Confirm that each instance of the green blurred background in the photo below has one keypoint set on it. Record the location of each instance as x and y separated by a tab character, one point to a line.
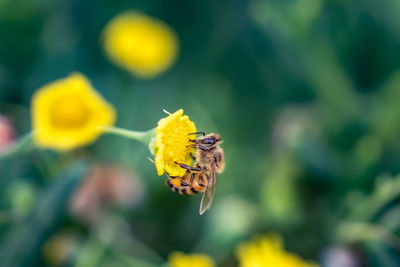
305	93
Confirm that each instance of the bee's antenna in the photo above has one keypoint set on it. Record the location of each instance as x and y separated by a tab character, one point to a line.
150	159
202	133
165	111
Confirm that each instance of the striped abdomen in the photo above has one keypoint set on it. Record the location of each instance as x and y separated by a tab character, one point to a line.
191	183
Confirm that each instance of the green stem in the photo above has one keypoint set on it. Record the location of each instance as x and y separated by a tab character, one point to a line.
143	137
23	145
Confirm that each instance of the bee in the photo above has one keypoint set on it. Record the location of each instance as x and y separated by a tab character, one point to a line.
202	176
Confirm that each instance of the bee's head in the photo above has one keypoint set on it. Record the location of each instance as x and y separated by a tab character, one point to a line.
210	140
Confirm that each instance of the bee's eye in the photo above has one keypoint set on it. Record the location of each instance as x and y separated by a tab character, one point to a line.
208	141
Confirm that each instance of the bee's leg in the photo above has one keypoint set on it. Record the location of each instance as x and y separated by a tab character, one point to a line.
203	133
192	145
187	167
181	180
183	183
189	186
191	179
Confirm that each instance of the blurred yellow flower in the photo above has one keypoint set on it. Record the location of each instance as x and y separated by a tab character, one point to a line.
143	45
268	251
171	143
179	259
68	113
60	248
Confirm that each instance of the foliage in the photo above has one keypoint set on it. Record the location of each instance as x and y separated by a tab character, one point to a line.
303	92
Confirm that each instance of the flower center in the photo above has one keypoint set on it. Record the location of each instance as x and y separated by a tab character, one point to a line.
69	112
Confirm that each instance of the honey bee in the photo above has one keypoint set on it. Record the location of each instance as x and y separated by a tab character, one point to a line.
202	176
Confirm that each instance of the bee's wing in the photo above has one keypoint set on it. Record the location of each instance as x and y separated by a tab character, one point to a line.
208	194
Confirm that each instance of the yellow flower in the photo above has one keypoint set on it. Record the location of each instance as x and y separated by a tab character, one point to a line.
68	113
60	248
143	45
179	259
171	143
268	251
